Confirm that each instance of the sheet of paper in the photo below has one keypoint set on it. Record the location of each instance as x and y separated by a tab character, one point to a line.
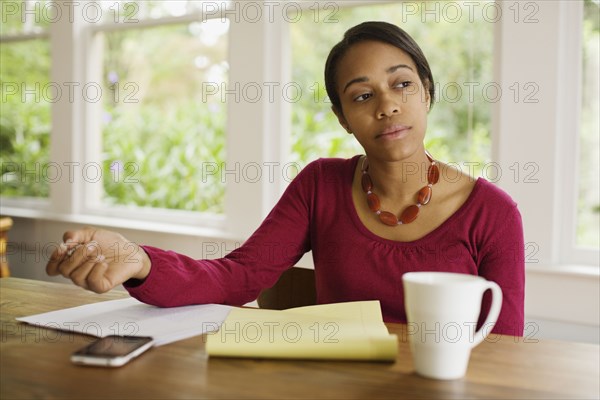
132	317
345	331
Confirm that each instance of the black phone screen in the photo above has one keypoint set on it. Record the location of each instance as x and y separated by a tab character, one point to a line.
114	346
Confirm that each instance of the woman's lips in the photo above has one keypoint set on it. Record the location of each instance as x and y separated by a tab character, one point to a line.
393	132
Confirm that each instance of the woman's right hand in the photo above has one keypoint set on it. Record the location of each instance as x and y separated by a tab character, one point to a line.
98	260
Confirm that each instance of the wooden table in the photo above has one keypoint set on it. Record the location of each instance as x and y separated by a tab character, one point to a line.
34	363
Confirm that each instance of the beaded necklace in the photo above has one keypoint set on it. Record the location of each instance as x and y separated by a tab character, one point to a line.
410	213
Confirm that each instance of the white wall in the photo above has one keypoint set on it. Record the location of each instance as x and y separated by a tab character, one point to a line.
563	303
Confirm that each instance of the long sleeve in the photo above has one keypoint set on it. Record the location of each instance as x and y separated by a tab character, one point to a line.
502	260
238	278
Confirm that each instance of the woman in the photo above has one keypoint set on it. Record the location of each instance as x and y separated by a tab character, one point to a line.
368	220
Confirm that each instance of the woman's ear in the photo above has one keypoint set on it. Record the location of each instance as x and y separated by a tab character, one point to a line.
341	119
427	94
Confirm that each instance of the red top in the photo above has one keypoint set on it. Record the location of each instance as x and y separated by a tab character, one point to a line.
316	212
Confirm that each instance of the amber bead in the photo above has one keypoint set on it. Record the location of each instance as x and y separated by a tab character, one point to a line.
409	214
388	218
373	202
366	182
425	195
433	174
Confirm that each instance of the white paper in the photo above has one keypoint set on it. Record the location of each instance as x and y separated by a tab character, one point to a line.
133	318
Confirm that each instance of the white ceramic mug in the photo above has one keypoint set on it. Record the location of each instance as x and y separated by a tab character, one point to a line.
442	309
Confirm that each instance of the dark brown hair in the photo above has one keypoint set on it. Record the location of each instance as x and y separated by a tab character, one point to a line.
380	32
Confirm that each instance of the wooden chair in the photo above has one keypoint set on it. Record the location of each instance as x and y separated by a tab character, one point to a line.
5	224
295	288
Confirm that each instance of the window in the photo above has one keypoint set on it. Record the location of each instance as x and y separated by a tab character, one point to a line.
588	205
459	125
135	89
157	96
27	96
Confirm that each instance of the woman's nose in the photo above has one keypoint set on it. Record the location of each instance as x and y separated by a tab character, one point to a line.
388	105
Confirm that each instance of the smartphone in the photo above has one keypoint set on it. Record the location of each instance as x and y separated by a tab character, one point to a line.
112	351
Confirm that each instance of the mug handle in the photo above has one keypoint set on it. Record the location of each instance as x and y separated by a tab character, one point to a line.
492	314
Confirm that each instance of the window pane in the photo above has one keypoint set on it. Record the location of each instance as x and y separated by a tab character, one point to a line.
459	124
133	11
588	209
25	118
159	130
20	17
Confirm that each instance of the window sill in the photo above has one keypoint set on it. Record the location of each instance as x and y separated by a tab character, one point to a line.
571	270
119	223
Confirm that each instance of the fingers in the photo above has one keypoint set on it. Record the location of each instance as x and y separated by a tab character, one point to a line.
79	236
62	259
75	262
56	258
92	276
98	280
71	241
80	275
82	258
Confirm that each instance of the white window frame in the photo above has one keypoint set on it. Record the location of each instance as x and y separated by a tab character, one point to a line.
570	98
249	126
545	133
90	202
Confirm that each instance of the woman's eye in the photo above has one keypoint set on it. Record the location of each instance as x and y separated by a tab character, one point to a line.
404	84
362	97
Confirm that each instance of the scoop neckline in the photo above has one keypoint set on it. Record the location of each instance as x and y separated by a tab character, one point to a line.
444	226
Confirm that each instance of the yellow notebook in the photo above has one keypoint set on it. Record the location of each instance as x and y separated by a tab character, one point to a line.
343	331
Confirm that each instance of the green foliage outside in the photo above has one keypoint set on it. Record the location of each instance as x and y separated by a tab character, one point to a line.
588	207
459	52
160	137
12	17
24	118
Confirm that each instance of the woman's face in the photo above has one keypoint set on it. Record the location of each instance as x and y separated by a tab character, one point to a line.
384	103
